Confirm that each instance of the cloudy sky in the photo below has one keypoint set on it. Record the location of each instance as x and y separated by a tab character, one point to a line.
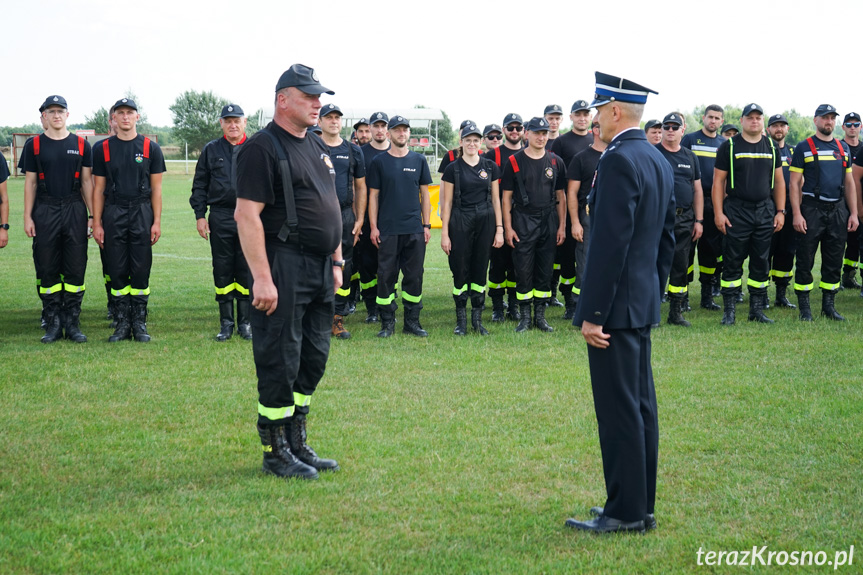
477	60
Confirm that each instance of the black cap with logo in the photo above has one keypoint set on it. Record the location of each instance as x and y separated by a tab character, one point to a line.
303	78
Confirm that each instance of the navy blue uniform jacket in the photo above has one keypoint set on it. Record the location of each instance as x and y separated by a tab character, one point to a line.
632	235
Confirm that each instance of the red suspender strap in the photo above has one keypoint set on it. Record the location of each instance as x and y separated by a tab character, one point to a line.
451	156
813	150
497	156
553	160
842	152
36	145
106	150
514	164
147	148
36	153
80	156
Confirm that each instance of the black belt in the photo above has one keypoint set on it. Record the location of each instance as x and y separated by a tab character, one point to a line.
127	202
747	204
223	208
813	201
59	201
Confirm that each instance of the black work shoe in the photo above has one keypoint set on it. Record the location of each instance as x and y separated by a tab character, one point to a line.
244	330
226	331
296	432
278	458
606	524
649	519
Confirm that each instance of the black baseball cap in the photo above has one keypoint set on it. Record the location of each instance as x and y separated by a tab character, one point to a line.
330	109
652	124
672	118
53	100
727	127
125	103
470	130
379	117
491	128
851	116
580	105
232	111
536	125
398	121
361	122
512	119
466	123
316	129
825	110
553	109
749	108
303	78
776	119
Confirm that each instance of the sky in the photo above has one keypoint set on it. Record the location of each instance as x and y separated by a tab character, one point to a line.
476	60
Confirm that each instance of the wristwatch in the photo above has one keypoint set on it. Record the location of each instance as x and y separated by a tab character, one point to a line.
427	226
783	211
699	221
4	226
339	264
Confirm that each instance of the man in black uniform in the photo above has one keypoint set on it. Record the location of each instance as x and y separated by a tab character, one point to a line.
492	136
824	200
347	159
689	214
288	218
533	206
362	135
363	131
851	127
4	203
749	171
367	258
632	244
653	131
501	273
784	242
215	185
579	137
127	217
729	131
400	227
553	115
58	194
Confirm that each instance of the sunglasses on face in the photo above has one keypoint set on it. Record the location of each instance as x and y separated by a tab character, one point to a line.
514	128
672	127
852	124
494	136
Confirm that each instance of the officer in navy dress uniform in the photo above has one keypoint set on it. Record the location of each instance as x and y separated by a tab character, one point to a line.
632	212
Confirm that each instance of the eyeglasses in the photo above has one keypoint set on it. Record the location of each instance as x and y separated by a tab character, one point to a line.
494	136
514	128
61	112
852	124
672	127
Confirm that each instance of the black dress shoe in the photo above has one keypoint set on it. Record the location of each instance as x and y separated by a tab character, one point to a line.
606	524
649	520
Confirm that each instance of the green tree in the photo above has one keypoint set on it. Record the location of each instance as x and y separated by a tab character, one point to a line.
99	121
253	121
196	118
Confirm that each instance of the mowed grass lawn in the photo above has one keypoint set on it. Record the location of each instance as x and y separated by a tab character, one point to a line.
458	455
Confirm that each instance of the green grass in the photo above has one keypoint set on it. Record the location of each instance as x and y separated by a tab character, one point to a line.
458	455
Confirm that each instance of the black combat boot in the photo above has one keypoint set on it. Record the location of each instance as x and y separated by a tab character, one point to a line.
781	299
476	320
756	308
539	305
512	310
412	322
729	300
278	459
388	323
570	302
707	297
139	321
524	322
244	318
371	310
675	311
497	311
296	430
226	318
849	280
73	324
460	316
121	316
803	303
828	309
553	301
53	325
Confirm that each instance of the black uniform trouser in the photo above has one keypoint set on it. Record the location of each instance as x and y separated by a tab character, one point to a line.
852	250
533	255
826	224
501	271
625	402
678	279
366	261
406	252
291	346
749	235
709	246
783	246
344	292
60	249
231	274
581	247
471	232
128	251
565	258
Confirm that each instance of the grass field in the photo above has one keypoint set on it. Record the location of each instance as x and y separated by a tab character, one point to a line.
458	455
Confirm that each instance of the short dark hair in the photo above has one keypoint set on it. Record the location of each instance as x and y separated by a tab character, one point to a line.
713	108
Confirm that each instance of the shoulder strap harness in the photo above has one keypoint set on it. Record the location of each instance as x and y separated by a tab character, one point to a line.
290	229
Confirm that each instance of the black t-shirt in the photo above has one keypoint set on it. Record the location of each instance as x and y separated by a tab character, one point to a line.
313	179
686	170
59	159
583	168
501	156
754	168
398	181
704	148
341	158
4	169
785	154
370	153
541	177
830	160
473	180
855	150
127	171
447	159
570	144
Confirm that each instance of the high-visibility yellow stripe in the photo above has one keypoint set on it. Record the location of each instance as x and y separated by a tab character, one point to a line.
779	274
752	283
576	291
243	290
542	294
677	289
496	286
828	287
275	413
803	287
121	292
731	284
136	291
510	284
107	279
225	290
52	289
557	266
301	400
704	270
369	285
385	300
796	170
344	292
411	298
690	269
524	296
73	289
355	276
718	259
567	281
851	263
477	288
703	154
459	291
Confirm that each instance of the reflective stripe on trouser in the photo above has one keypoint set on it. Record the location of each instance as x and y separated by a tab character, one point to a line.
405	252
783	246
230	271
348	220
128	253
366	262
60	248
748	236
471	231
501	273
533	256
581	248
709	247
291	346
852	250
825	226
565	256
678	279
